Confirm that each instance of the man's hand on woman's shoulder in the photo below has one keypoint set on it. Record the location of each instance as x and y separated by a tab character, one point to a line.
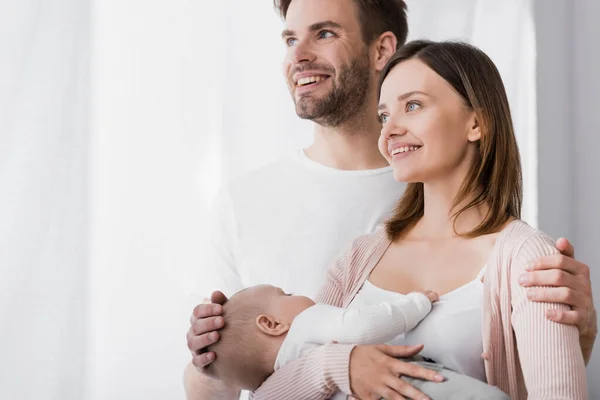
566	281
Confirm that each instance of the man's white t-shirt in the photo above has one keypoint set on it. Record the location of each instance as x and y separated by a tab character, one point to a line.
285	224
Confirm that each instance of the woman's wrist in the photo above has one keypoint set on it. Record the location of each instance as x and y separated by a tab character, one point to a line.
336	365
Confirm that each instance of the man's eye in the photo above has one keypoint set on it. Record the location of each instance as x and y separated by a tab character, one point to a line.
412	106
290	42
326	34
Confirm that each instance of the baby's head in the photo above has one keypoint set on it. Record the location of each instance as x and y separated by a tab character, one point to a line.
257	320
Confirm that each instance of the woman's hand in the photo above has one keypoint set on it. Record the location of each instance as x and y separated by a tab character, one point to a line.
375	372
205	322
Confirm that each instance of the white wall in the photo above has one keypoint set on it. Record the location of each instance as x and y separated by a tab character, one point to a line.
586	143
569	133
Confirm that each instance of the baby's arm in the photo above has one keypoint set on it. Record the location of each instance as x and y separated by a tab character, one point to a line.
375	324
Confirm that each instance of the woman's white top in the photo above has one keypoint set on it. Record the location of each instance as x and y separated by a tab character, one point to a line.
451	333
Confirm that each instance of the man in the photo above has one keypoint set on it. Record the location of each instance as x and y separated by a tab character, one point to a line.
284	224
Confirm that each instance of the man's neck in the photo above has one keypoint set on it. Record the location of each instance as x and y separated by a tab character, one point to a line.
352	146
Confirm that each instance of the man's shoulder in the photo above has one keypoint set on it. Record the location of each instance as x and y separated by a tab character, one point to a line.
265	175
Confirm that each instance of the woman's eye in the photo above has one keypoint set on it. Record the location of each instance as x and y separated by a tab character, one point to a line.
382	118
412	106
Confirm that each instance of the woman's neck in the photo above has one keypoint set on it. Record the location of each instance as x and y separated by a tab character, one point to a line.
438	221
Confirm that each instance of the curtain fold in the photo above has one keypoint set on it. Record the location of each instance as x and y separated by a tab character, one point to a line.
43	198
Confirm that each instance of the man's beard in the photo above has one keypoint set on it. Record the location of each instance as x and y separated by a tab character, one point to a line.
345	99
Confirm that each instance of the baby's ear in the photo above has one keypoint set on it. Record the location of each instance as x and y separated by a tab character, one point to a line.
271	326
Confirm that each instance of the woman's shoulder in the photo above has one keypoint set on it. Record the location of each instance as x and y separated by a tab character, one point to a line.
519	239
367	243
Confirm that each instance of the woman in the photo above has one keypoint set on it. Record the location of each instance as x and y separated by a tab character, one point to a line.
447	131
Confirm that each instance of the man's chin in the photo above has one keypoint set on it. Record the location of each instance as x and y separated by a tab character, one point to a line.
307	109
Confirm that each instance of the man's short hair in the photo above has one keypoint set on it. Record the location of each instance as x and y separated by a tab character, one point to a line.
375	18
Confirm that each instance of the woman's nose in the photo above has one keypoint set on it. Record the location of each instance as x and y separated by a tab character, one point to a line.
393	127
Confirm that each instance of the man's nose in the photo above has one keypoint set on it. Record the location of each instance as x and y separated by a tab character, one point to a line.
302	53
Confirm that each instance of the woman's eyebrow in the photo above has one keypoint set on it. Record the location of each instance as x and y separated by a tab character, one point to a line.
403	97
408	94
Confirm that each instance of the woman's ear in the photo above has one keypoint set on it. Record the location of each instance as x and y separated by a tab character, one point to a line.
271	326
385	47
474	133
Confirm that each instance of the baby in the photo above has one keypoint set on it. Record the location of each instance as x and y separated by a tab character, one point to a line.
265	328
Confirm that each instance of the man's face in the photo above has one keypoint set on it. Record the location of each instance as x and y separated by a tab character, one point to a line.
327	66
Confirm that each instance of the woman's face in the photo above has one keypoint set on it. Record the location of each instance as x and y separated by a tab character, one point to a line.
428	131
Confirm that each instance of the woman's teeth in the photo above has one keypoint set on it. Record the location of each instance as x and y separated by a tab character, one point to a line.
404	149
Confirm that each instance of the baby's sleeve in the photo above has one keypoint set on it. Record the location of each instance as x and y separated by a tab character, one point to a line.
374	324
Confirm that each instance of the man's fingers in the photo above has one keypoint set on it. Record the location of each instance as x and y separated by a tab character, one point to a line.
218	297
205	311
202	360
571	317
564	246
550	277
560	295
555	261
206	325
401	351
198	343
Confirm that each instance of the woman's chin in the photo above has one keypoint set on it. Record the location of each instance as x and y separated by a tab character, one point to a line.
406	178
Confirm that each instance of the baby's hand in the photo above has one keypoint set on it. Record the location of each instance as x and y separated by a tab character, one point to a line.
431	295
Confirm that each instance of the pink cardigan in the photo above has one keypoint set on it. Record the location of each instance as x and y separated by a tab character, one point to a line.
526	355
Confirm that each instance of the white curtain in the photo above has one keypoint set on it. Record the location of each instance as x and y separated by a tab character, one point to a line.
184	95
44	81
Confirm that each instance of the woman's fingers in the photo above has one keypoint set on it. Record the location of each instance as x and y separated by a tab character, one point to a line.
400	351
405	389
399	368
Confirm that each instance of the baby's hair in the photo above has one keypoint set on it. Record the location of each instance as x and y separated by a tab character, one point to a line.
237	348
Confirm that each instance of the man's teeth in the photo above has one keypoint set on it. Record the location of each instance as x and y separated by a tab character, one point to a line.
310	79
404	149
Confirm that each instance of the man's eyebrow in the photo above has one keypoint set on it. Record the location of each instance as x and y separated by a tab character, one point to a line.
314	27
403	97
287	33
324	24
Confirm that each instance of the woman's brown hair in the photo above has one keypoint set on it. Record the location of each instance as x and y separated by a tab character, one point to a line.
495	176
